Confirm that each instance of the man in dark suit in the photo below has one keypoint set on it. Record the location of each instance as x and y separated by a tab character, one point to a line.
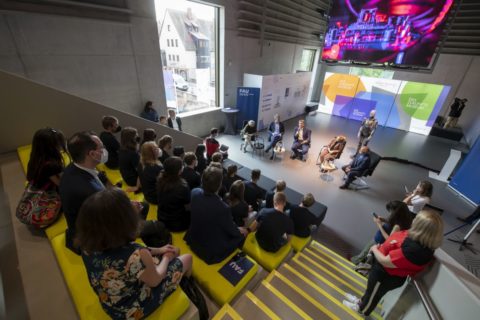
173	121
301	142
359	164
275	133
212	235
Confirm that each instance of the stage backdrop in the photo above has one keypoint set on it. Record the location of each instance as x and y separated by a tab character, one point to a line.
285	94
404	105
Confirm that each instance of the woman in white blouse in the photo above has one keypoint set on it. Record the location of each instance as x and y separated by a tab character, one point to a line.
422	195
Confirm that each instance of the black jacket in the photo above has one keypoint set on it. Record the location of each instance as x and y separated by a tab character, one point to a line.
179	123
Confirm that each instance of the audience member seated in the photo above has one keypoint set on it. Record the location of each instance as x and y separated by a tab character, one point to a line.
254	195
165	144
248	133
128	156
131	280
331	152
399	219
148	135
275	133
149	112
173	196
179	151
303	219
213	145
419	197
149	170
80	178
359	164
212	235
403	254
201	159
301	143
111	126
192	177
273	226
280	186
240	209
173	121
44	170
230	177
163	120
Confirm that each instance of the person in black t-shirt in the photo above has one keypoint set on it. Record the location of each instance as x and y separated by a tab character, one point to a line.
302	218
128	156
240	209
189	174
111	126
201	159
230	177
173	196
253	193
149	134
148	170
273	226
165	144
280	186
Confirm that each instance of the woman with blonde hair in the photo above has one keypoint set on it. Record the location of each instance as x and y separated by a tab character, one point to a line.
149	169
404	254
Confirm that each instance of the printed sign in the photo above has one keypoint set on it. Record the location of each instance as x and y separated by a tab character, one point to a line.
236	268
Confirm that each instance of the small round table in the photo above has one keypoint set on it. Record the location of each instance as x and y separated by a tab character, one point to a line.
230	116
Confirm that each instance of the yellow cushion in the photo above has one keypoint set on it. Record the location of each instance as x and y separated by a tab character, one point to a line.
152	212
114	176
299	243
57	228
208	276
24	156
267	260
85	299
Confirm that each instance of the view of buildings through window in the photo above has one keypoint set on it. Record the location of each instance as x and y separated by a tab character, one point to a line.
308	58
187	33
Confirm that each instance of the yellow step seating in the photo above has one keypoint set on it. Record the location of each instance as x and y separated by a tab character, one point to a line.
299	243
267	260
57	228
85	299
227	313
208	277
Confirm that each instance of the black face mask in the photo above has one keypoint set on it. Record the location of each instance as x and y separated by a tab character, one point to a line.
137	139
118	129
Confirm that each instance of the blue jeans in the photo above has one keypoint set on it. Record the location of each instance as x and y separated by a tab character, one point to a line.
273	142
300	149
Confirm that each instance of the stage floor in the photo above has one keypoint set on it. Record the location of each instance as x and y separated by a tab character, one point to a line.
348	224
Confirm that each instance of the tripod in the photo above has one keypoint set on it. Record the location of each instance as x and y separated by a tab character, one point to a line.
464	243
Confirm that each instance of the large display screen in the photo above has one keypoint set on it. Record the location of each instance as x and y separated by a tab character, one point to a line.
403	32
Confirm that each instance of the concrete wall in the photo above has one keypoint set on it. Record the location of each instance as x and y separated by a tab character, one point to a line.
115	64
460	72
23	114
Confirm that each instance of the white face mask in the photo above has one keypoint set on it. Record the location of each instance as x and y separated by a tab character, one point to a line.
159	153
104	157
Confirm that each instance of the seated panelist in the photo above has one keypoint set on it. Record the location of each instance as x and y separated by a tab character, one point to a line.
359	164
275	132
248	132
301	142
331	152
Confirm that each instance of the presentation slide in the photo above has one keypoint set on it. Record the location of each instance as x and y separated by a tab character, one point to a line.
405	105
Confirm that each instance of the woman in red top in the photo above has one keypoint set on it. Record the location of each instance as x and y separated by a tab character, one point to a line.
403	254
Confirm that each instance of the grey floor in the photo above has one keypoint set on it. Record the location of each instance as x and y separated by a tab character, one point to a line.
348	224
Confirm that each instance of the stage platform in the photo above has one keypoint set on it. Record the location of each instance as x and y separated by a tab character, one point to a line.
348	224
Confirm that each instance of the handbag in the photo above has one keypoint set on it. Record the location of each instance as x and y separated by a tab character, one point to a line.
38	207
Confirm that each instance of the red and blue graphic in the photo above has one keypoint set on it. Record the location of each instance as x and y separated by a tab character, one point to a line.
404	32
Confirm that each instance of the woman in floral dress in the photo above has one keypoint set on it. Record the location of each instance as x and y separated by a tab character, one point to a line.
131	280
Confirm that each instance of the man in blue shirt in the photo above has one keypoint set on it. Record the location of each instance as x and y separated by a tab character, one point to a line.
275	133
359	164
301	143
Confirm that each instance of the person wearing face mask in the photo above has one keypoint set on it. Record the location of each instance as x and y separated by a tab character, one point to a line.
81	179
111	126
128	156
366	131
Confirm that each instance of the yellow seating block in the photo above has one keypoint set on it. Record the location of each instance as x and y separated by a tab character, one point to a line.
24	156
85	299
114	176
267	260
57	228
299	243
152	212
208	277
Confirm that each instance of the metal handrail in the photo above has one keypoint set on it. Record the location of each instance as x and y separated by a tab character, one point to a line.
432	311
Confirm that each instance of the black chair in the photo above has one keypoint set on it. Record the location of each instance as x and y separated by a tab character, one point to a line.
360	182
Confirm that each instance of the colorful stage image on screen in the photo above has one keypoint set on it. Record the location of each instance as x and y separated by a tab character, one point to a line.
404	32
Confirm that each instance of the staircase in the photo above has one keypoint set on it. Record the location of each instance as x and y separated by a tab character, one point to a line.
311	285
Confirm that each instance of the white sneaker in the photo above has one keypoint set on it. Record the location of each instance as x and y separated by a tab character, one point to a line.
351	305
351	298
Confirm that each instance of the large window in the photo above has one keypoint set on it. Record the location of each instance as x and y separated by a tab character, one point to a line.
189	38
308	58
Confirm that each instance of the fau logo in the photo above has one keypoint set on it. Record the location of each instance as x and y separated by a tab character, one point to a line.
244	92
236	268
